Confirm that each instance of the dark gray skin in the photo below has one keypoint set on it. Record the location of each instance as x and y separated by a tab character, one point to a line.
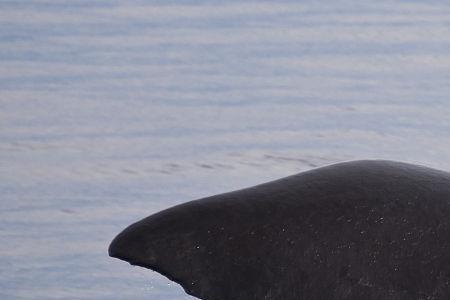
355	230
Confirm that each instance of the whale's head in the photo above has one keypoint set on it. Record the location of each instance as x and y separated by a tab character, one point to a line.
199	245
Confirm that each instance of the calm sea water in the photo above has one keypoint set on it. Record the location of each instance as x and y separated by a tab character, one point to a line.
113	110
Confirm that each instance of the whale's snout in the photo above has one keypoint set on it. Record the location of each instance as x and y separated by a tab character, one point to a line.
133	245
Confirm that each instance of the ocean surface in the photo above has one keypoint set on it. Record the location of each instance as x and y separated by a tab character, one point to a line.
113	110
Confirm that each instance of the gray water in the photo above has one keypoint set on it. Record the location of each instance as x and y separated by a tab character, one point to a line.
113	110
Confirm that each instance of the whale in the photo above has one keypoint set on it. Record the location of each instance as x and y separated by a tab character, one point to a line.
369	229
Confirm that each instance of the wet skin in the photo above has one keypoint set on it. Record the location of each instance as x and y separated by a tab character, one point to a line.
355	230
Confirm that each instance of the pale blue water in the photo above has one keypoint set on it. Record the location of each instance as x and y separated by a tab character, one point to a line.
110	111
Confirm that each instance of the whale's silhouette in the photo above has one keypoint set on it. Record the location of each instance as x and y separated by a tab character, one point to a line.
354	230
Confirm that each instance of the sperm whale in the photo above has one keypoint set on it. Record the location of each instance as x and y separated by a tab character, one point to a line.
369	229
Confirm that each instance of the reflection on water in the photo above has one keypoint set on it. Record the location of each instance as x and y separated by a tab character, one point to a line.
111	111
